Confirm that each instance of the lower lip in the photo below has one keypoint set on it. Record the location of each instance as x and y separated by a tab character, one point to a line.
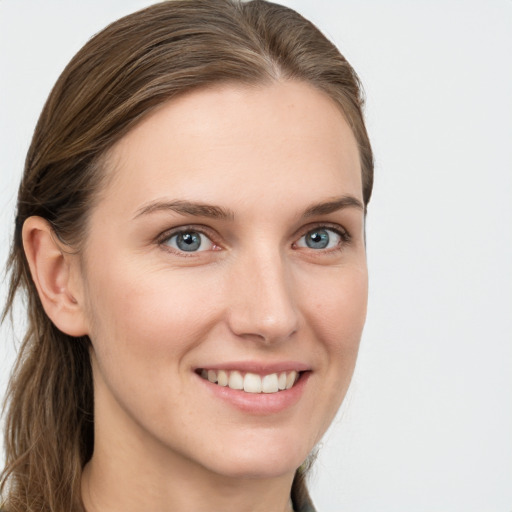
259	403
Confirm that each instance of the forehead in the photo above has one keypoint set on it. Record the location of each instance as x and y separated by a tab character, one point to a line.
284	136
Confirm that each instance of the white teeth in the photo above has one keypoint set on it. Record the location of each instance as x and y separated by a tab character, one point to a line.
236	381
252	382
269	383
222	378
290	379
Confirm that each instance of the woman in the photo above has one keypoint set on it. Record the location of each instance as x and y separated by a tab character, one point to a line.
190	236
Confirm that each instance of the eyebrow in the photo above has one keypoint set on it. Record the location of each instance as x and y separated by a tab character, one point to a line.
217	212
333	205
188	208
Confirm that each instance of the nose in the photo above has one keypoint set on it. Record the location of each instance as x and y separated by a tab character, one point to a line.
262	300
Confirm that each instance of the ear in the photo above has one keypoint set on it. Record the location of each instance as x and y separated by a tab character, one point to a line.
56	273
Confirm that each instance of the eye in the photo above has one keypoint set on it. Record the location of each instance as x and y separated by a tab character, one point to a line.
189	241
321	238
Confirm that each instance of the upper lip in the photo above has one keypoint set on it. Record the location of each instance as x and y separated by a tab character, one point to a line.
263	368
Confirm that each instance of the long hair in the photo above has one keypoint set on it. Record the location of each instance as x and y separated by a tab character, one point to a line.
123	73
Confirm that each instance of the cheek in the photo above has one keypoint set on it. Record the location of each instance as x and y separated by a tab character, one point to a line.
151	315
142	346
338	305
336	314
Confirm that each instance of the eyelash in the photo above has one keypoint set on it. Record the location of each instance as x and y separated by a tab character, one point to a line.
163	239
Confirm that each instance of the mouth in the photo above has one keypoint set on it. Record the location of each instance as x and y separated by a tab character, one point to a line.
251	382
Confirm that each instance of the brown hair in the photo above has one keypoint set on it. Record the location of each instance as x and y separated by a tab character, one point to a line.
117	78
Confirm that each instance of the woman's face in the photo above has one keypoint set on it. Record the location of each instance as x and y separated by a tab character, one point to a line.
229	244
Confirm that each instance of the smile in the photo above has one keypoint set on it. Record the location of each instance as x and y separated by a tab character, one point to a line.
251	382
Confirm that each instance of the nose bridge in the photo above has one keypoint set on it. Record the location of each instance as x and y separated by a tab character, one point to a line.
262	301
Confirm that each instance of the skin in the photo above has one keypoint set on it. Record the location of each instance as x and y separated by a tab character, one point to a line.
254	292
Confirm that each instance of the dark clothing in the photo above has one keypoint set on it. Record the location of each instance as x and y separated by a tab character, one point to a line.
302	503
306	506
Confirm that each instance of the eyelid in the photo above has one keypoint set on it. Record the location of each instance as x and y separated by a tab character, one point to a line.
337	228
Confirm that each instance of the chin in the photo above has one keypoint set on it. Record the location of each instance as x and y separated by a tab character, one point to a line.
263	458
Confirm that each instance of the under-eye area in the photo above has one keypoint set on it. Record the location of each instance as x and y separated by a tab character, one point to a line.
251	382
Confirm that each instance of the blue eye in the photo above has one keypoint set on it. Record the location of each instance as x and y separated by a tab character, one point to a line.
320	238
189	241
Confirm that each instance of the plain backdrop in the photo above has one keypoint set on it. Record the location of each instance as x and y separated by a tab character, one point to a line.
427	424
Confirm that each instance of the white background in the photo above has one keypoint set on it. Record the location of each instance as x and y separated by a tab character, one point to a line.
427	425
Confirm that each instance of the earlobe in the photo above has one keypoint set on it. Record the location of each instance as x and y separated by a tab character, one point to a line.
54	272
